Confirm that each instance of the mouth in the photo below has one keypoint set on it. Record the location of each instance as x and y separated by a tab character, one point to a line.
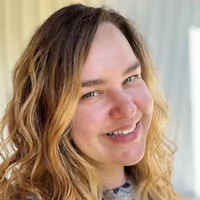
121	133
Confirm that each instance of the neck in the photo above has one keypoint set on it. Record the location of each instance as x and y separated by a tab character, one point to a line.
112	176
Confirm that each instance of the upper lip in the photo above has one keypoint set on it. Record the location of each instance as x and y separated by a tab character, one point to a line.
124	127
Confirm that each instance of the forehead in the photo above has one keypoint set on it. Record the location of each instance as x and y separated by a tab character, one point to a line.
109	41
110	50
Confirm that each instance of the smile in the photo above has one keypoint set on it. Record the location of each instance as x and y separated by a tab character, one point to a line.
122	132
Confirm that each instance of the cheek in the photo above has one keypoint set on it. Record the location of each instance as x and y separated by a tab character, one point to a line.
87	119
86	127
143	99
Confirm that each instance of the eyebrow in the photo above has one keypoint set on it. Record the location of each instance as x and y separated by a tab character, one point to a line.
97	82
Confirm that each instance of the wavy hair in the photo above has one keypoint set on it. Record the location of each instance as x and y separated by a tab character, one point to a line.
38	155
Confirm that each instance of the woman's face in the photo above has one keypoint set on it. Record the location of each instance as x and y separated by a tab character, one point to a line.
115	109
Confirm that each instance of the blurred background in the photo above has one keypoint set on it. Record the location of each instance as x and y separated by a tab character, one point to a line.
172	31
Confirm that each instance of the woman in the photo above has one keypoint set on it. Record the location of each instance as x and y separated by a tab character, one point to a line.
86	118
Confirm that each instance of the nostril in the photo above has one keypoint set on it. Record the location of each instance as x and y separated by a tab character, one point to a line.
125	109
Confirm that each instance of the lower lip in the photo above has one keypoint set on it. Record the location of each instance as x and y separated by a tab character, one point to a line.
126	138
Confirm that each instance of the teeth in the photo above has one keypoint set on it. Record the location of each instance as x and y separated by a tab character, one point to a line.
121	132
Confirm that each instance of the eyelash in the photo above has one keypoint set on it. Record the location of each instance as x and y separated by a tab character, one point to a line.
130	79
88	95
94	93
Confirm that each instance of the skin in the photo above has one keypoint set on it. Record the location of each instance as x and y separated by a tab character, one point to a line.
118	100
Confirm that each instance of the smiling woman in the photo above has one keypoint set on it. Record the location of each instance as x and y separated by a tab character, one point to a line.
86	118
115	112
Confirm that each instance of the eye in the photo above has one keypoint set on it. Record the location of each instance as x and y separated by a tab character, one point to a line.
89	95
130	79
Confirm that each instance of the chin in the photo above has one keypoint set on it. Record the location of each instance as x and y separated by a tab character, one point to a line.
134	157
131	163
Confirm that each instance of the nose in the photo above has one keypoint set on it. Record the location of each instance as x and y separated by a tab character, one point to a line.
122	106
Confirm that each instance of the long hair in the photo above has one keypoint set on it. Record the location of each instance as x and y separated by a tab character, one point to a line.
38	155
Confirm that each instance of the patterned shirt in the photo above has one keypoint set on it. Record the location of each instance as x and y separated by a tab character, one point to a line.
125	192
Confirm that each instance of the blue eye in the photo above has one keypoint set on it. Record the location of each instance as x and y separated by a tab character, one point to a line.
89	95
129	79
